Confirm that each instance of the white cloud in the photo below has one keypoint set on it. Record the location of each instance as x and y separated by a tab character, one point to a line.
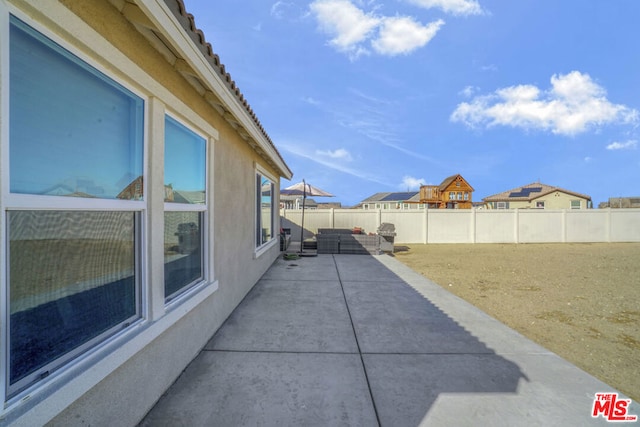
469	91
286	10
411	183
340	153
311	101
349	25
454	7
490	67
279	8
353	29
573	105
402	35
302	152
628	145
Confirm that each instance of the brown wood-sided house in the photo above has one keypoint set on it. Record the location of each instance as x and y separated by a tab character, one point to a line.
453	193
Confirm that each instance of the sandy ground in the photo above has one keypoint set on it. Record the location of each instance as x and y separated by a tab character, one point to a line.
581	301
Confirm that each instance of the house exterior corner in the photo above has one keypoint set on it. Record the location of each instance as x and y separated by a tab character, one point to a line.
130	265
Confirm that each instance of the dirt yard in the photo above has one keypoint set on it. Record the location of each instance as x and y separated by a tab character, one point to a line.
581	301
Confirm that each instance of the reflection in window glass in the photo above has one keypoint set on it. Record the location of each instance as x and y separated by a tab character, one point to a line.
74	131
265	210
182	251
184	169
71	281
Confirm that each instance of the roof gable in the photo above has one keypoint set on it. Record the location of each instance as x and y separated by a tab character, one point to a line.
449	180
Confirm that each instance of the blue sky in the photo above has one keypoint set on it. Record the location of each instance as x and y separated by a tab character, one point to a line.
369	96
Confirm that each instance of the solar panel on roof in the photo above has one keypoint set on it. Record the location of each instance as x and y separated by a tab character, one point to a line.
525	192
399	196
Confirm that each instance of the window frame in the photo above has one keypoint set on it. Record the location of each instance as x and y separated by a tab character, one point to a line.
539	204
572	202
12	393
90	368
202	208
263	247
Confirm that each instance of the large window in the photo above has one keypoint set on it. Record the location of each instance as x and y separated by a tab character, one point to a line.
72	279
265	211
74	132
185	205
74	211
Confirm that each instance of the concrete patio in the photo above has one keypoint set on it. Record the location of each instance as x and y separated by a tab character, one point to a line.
359	340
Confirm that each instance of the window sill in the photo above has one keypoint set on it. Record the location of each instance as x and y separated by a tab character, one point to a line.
264	248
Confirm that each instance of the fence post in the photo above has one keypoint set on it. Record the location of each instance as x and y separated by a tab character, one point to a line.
425	226
331	218
472	229
516	223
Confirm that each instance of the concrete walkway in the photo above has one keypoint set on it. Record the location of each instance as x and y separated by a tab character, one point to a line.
356	340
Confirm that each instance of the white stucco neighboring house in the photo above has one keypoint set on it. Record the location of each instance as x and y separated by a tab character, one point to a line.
538	196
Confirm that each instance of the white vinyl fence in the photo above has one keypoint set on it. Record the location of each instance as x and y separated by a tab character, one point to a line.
477	226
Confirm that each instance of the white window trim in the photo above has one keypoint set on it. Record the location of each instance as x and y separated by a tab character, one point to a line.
43	400
265	247
16	201
207	266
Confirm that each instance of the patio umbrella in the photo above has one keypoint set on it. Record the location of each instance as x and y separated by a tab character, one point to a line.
303	189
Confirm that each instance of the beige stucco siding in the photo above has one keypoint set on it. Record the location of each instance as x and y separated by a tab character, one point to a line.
559	200
554	200
142	375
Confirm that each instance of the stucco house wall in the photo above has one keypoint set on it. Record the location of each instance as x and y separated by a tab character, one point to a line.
537	196
559	200
124	377
555	200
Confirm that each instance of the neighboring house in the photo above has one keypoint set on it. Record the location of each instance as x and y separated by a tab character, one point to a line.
538	196
291	201
453	193
108	295
399	200
621	203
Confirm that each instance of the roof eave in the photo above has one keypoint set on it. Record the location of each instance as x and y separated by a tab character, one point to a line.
217	81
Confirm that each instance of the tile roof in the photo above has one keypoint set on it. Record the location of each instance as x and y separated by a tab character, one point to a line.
187	21
530	192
